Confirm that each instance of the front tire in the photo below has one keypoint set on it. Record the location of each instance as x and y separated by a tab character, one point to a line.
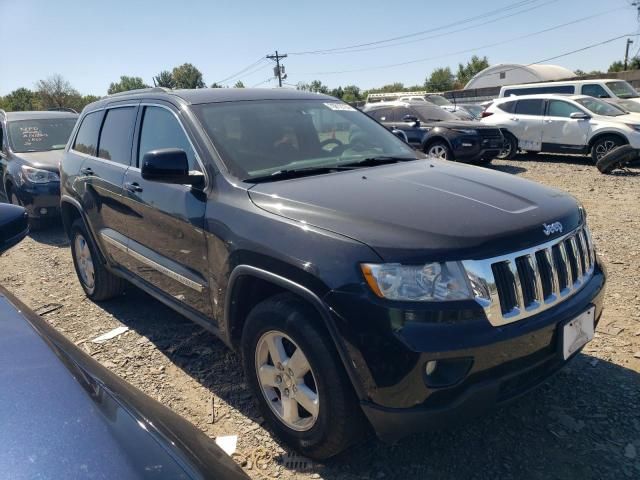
96	281
603	146
439	150
293	368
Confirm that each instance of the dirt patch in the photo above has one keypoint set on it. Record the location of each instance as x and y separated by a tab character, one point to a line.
583	423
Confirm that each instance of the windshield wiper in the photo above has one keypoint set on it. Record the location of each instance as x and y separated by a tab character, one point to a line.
287	173
381	160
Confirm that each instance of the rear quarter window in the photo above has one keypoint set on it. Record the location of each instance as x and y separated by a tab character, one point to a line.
509	107
87	138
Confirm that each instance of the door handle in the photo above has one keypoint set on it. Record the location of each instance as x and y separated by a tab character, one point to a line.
86	171
132	187
514	119
548	121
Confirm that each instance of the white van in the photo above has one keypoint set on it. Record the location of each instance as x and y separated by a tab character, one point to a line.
600	88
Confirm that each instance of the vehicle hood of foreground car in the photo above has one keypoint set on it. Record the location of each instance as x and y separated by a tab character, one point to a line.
425	209
62	415
49	160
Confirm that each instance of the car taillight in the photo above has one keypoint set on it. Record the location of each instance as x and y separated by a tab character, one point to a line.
486	114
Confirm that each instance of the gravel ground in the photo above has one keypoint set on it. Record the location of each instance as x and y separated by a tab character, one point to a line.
583	423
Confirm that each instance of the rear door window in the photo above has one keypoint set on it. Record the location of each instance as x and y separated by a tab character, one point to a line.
116	135
161	129
87	138
529	107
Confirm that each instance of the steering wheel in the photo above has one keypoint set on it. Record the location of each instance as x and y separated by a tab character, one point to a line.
330	141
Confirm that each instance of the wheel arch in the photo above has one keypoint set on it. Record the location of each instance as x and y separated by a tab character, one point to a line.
70	211
249	285
436	138
607	133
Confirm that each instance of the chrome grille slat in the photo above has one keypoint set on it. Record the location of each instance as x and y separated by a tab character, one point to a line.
515	286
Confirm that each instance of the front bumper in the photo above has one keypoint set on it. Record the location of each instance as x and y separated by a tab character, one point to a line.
504	362
40	200
471	148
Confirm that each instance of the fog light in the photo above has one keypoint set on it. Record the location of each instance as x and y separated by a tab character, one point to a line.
431	367
43	211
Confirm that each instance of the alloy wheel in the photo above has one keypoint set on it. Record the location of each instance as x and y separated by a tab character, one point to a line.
85	262
605	147
287	381
438	151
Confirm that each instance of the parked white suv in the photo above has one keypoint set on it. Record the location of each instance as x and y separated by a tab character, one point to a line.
562	124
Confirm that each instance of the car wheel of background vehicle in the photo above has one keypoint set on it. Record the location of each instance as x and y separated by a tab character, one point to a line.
510	148
97	282
616	158
439	150
299	382
603	146
34	223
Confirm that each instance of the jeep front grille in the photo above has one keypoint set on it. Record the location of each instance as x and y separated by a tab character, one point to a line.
515	286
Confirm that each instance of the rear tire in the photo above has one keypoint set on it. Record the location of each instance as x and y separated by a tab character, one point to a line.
96	281
285	324
510	148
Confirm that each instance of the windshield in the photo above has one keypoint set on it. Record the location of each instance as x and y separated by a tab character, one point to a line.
259	138
622	89
599	107
40	135
433	113
438	100
630	105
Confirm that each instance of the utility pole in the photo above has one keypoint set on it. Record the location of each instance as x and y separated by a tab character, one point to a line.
626	53
278	70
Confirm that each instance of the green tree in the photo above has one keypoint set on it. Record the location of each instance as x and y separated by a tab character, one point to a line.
616	66
440	80
56	92
473	66
305	87
20	99
216	85
337	92
125	84
239	84
318	87
187	76
165	79
351	93
81	101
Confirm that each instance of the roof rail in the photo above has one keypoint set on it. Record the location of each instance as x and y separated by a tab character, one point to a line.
142	90
61	109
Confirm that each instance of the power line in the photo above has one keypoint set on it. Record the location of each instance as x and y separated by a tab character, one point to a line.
279	70
390	45
264	81
261	59
502	42
415	34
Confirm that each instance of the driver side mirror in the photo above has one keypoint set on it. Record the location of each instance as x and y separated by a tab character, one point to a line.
14	225
169	165
579	116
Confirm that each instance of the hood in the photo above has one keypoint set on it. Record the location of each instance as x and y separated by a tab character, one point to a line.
424	210
49	160
65	416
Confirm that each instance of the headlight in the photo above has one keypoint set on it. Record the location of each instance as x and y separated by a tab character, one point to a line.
432	282
633	126
466	131
36	175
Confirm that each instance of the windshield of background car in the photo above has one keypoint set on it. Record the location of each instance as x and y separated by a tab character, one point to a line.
40	135
433	113
438	100
258	138
630	106
600	107
622	89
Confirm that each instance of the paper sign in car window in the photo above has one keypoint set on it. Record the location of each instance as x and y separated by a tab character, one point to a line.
31	135
340	106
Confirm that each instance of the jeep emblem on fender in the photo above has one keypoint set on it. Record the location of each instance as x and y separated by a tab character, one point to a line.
555	227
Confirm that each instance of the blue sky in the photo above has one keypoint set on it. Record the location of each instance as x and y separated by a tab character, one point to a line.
92	43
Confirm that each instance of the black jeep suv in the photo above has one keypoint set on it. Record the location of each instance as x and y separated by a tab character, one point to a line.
438	132
361	283
32	147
